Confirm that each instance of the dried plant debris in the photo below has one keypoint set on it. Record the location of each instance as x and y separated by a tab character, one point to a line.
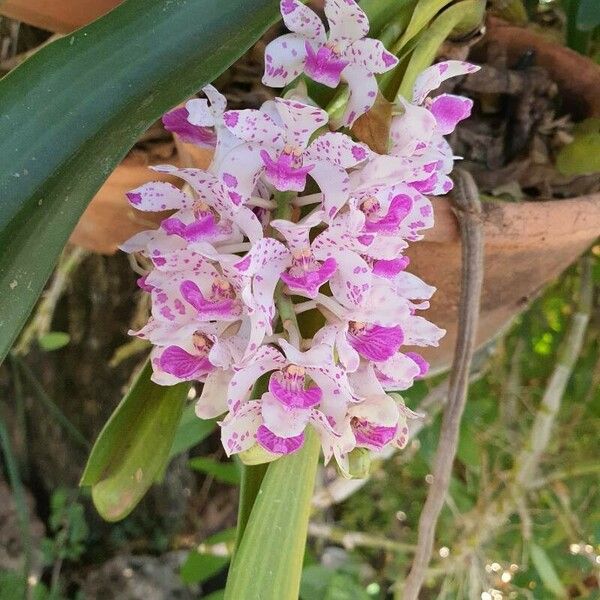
518	131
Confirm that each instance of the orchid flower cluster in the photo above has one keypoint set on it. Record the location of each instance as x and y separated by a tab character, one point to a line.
246	252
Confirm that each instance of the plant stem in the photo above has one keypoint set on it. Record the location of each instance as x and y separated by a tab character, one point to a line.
52	407
268	562
483	526
467	208
529	458
20	500
352	539
252	477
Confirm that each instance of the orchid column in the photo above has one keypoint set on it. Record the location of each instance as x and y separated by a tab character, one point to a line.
294	221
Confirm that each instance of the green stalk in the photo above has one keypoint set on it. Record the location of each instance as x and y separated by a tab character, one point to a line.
14	478
252	478
268	562
275	500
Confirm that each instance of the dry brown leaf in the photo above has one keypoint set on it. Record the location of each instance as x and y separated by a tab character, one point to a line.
373	128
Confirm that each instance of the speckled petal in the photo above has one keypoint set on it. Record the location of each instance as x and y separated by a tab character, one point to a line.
284	60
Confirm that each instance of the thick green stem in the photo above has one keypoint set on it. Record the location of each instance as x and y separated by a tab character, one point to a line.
252	477
268	562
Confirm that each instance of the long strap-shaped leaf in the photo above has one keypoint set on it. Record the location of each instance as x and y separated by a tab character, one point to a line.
132	449
268	562
71	112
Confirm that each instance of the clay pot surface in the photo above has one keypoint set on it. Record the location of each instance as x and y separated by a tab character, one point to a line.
526	246
61	16
577	76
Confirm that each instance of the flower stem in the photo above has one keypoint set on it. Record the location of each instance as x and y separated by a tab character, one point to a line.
284	201
252	477
268	562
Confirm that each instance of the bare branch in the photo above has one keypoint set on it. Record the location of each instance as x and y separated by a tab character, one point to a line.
467	208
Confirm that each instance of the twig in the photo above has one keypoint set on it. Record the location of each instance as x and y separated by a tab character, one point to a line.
529	458
467	208
353	539
42	321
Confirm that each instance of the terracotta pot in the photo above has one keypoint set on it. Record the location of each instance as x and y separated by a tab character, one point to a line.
528	243
109	219
61	16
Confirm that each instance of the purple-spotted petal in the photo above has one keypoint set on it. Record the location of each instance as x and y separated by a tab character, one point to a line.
338	149
265	359
278	445
245	164
250	125
300	121
431	78
284	60
363	92
346	20
238	429
351	284
376	342
157	196
449	110
411	131
371	55
302	20
292	398
176	121
398	372
334	184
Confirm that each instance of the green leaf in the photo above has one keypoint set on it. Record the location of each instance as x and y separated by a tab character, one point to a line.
459	15
190	431
546	571
424	11
588	15
268	562
54	340
582	155
200	567
72	111
381	13
133	447
226	472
